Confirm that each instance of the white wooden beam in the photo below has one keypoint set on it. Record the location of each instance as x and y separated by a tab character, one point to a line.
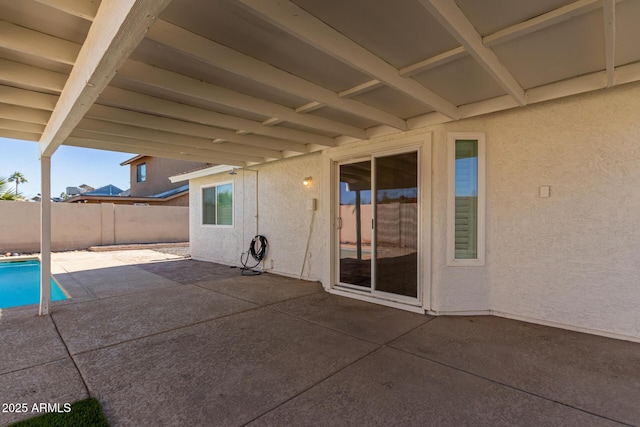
27	98
488	106
45	235
306	27
295	140
501	36
249	153
31	42
543	21
116	31
16	134
272	121
197	89
574	86
24	114
21	126
27	76
220	56
609	12
134	149
311	106
251	144
434	61
627	74
135	145
454	20
360	89
85	9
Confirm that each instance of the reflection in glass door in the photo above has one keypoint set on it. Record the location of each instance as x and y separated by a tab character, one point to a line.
378	225
355	224
396	224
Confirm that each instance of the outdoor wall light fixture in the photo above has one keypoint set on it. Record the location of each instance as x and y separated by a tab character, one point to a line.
233	172
307	181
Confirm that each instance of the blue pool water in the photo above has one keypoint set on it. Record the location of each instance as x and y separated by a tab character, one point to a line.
20	284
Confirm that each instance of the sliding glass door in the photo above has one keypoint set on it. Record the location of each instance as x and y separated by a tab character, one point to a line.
354	226
396	224
378	225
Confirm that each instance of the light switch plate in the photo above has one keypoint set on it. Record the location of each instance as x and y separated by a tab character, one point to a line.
545	191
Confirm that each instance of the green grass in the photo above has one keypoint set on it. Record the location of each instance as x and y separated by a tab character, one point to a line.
84	413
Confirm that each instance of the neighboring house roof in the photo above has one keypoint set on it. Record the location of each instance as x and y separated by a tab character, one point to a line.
169	193
133	159
124	195
107	190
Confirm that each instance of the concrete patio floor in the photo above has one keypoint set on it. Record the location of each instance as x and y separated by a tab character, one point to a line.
174	342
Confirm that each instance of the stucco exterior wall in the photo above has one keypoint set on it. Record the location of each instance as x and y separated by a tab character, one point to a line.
79	226
150	224
569	260
282	217
572	258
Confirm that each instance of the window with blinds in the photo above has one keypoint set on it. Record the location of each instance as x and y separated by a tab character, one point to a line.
217	204
466	199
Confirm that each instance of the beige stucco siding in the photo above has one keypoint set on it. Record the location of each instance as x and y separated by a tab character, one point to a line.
81	225
282	217
569	260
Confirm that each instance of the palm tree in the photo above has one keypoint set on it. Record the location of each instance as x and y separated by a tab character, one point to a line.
19	178
6	193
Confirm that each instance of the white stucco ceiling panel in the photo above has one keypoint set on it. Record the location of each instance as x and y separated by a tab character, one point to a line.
170	59
489	16
339	116
558	52
42	18
389	100
295	126
627	32
401	32
35	61
232	26
157	92
462	81
261	63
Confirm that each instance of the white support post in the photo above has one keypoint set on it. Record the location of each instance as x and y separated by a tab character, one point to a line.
45	235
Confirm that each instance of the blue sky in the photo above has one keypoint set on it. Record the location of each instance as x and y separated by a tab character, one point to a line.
70	167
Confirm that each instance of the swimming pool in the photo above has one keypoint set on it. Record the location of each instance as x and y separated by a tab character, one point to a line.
20	284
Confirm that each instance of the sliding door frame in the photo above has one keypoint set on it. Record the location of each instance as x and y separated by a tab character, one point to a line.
333	158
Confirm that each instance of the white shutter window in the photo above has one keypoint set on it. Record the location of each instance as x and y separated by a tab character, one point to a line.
466	199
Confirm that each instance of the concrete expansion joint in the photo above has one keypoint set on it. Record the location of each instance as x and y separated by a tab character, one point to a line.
66	348
427	320
227	295
270	307
48	362
167	331
317	383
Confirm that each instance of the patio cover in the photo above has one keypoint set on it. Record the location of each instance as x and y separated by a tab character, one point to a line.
242	82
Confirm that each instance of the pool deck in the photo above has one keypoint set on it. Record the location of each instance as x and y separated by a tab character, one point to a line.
163	341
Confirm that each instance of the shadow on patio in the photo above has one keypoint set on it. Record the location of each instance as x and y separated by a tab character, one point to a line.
183	342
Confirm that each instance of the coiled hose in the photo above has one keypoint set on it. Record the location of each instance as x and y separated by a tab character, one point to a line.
258	251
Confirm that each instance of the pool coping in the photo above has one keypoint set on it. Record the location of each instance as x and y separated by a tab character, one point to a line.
20	258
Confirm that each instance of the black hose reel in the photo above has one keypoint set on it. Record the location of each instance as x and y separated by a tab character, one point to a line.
258	251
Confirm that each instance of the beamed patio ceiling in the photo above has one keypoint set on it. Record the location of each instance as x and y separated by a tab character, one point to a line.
240	82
